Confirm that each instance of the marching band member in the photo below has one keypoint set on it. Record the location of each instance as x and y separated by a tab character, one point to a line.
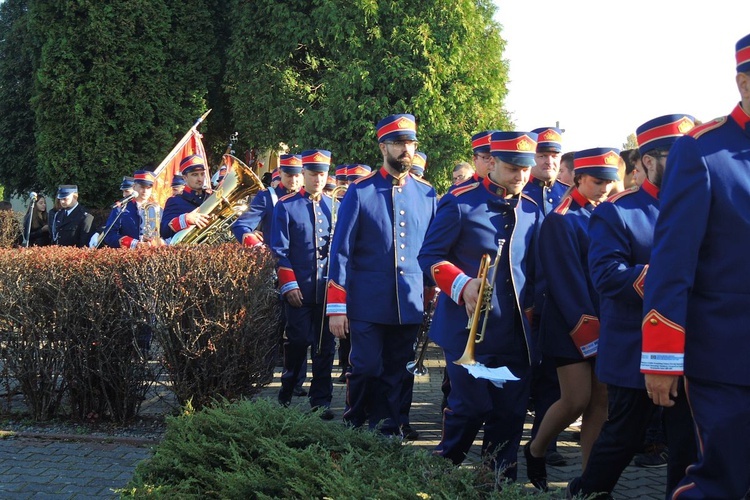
697	290
469	222
621	231
253	226
299	238
544	189
178	185
419	164
569	327
181	212
127	186
71	226
375	287
125	225
341	175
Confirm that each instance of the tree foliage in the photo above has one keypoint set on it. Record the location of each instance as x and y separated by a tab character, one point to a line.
17	144
91	91
321	74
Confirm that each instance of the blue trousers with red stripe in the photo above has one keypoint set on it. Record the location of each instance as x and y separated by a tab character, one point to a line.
722	421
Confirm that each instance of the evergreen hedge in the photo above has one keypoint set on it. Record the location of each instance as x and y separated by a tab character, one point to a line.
257	449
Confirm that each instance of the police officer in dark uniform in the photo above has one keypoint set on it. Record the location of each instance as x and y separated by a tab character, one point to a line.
300	240
181	212
375	288
621	232
697	294
470	221
71	226
254	225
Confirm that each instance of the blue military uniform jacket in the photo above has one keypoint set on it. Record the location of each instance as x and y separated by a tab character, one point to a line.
697	294
621	231
124	229
546	197
375	276
173	218
469	222
299	237
259	215
571	304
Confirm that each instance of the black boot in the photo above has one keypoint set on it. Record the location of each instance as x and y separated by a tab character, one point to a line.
536	469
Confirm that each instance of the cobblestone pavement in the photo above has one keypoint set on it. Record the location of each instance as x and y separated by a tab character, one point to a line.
81	469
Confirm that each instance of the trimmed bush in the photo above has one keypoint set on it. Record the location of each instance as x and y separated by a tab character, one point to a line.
216	311
75	325
10	229
261	450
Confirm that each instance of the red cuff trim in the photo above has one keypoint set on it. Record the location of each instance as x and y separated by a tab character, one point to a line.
175	225
641	281
126	241
662	335
286	275
335	299
445	275
251	240
585	335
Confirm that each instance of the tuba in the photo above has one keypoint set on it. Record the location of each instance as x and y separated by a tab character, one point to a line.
224	206
150	222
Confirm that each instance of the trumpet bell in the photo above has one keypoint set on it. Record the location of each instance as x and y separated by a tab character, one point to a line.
416	369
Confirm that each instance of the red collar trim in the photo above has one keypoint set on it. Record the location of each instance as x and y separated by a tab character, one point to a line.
650	189
494	188
579	198
740	116
394	180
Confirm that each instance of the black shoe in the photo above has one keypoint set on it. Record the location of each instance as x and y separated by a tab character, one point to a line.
341	379
285	402
554	458
536	469
299	391
655	456
327	414
408	432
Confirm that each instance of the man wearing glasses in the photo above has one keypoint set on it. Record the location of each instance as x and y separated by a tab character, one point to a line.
376	287
621	232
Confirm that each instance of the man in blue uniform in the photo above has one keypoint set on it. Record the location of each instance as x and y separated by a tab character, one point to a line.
621	234
480	144
300	240
181	212
253	226
125	225
375	288
697	294
544	189
178	185
469	222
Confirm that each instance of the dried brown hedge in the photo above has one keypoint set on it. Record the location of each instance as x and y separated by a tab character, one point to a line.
72	324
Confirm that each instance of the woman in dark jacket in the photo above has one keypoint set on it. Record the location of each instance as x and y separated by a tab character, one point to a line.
39	235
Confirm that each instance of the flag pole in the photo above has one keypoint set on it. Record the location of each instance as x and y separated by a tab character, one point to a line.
179	145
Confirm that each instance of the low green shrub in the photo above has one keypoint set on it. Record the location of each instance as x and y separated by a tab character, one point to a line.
257	449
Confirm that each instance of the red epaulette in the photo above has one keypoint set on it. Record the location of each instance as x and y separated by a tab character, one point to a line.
287	196
465	189
527	197
702	129
366	177
622	194
564	205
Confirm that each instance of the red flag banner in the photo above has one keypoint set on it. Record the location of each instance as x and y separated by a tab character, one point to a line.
190	144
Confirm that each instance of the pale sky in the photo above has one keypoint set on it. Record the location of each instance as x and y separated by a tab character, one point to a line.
602	68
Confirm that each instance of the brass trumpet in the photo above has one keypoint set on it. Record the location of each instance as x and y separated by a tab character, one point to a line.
484	305
417	367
